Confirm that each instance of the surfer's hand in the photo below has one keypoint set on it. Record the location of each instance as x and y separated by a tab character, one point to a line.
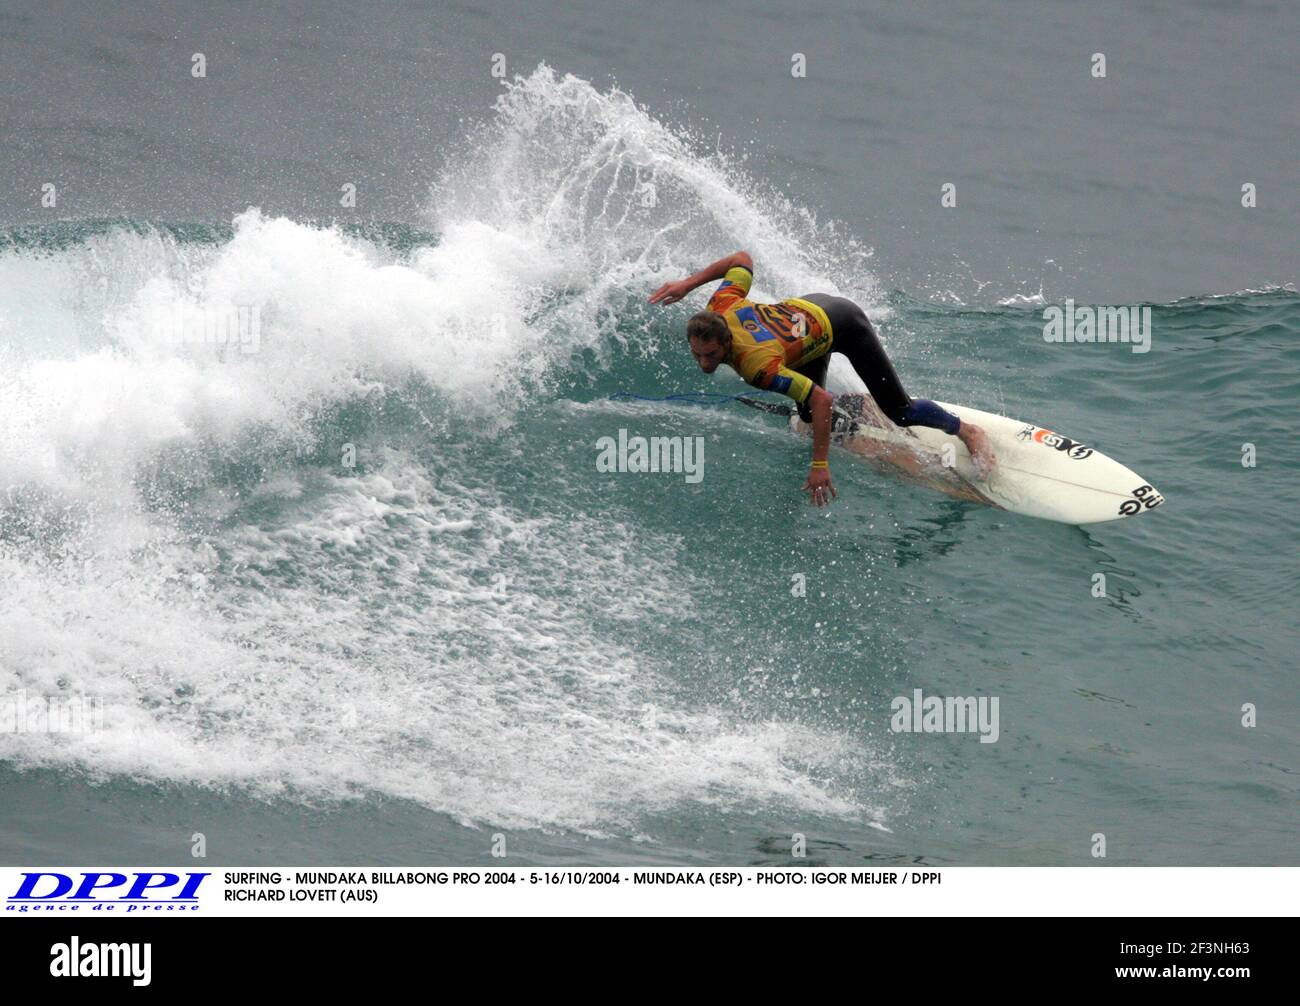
819	486
981	452
671	293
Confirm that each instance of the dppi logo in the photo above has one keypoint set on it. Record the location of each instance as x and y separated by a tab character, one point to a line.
1047	438
138	891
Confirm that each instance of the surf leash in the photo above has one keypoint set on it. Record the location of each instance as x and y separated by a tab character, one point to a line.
713	398
694	397
707	398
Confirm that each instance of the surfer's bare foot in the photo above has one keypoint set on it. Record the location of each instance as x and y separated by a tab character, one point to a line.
981	453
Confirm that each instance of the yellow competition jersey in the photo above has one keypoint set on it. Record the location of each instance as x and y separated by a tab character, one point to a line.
765	338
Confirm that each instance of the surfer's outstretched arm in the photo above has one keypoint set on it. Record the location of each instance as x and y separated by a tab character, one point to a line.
671	293
819	475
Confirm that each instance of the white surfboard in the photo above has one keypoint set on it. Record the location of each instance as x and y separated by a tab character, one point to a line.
1039	473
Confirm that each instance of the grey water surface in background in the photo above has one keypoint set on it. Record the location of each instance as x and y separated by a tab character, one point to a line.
1118	189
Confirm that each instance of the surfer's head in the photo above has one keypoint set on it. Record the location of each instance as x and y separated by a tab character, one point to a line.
710	340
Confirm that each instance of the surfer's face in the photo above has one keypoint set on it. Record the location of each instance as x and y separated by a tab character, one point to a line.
709	353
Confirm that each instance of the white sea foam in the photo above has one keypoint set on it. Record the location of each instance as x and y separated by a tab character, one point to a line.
360	644
405	628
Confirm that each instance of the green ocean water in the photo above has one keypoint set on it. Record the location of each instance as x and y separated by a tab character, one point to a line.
359	594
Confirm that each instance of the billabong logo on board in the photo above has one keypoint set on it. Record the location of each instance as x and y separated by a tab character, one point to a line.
1144	496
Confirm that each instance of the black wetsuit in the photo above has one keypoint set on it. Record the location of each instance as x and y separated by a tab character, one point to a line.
854	336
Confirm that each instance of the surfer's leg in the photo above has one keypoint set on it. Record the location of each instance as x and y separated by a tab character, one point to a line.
855	337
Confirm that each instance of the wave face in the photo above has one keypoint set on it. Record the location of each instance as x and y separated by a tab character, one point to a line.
349	555
360	547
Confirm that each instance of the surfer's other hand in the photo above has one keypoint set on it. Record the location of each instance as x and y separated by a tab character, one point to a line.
819	487
981	452
670	293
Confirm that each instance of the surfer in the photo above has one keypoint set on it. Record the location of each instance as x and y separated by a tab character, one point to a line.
786	347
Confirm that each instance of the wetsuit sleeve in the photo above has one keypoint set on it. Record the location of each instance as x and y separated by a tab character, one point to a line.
769	372
734	288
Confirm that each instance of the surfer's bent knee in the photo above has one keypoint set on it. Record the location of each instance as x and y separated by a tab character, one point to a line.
855	338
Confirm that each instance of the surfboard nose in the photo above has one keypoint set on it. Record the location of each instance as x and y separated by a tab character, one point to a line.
1144	497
